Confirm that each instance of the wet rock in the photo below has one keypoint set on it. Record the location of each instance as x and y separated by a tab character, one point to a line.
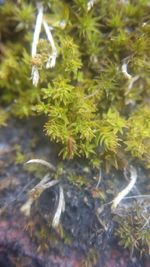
15	242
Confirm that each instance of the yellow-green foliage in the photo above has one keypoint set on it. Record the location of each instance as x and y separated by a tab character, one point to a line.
138	136
3	117
134	230
92	109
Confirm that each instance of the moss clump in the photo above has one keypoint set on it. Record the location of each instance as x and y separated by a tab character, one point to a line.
3	117
134	229
94	107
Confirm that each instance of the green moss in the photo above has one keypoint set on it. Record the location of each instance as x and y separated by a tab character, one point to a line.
91	108
133	229
78	181
138	141
20	157
3	117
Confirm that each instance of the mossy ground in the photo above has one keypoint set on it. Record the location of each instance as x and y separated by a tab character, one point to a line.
96	98
94	104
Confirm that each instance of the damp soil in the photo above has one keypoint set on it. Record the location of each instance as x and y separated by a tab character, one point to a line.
85	236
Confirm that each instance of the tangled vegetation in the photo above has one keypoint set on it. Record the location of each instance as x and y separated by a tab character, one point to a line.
133	229
92	83
96	98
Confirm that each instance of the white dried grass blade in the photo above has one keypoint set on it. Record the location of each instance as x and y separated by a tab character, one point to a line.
138	196
125	71
35	75
133	80
99	178
26	208
39	188
60	208
90	4
52	58
45	179
42	162
49	35
49	184
37	30
126	190
51	62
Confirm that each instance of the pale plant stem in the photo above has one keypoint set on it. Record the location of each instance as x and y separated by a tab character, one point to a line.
35	73
125	71
37	31
131	82
42	162
138	196
90	4
35	193
99	178
130	197
26	208
60	208
52	58
126	190
49	35
132	79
